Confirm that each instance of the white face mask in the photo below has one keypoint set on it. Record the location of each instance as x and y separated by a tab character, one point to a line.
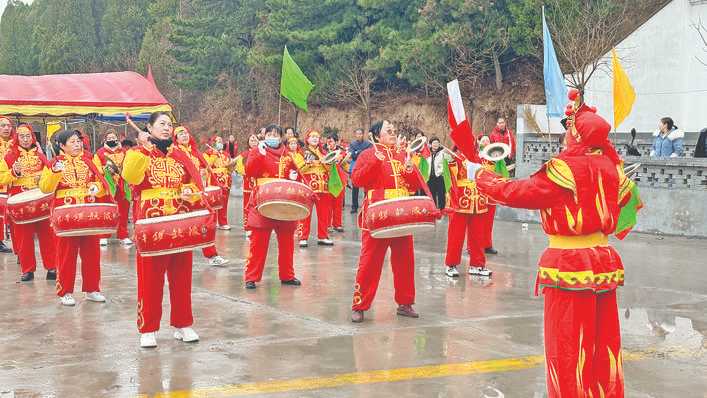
314	141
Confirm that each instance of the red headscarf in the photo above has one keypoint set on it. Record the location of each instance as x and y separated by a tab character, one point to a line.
192	144
14	153
588	131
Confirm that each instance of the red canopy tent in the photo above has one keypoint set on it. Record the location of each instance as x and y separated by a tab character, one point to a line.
80	94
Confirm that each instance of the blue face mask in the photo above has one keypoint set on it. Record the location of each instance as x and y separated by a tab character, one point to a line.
219	146
272	142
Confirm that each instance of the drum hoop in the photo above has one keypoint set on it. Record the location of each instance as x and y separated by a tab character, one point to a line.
288	202
4	196
27	193
42	218
86	232
77	205
401	199
212	188
177	249
277	180
401	226
173	217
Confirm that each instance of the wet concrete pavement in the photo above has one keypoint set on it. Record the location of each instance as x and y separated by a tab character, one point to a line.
252	340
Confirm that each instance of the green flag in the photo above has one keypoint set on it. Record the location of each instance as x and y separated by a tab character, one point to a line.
447	176
335	184
424	167
629	214
294	85
501	169
109	180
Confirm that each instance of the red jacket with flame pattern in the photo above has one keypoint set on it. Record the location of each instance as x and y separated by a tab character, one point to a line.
314	173
464	195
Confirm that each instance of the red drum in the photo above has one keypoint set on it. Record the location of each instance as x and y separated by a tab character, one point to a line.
3	204
85	219
404	216
177	233
214	195
284	200
29	206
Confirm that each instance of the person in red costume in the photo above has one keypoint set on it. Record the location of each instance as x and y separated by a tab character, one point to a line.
185	142
385	173
221	166
467	221
75	179
109	158
165	183
489	216
501	133
316	176
268	161
579	194
248	183
7	131
337	202
20	171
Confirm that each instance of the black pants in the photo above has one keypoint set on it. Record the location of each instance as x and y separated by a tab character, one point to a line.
436	184
354	197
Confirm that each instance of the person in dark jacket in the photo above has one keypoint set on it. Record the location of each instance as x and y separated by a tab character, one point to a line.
358	145
701	148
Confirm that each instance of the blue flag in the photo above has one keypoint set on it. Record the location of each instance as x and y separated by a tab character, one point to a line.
555	89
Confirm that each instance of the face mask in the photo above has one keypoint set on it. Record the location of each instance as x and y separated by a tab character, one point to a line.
218	146
272	142
314	141
112	143
162	145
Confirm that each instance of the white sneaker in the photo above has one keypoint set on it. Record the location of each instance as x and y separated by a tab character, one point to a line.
218	261
483	271
325	242
224	227
187	335
474	270
67	300
452	272
126	242
98	297
103	242
303	243
248	233
148	340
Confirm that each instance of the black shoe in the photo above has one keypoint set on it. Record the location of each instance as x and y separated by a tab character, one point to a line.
250	285
292	282
490	250
4	249
339	229
354	211
27	276
51	274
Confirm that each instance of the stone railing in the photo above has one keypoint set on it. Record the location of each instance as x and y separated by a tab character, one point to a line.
673	190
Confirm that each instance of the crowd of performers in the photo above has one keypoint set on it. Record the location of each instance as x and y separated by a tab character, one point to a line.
579	194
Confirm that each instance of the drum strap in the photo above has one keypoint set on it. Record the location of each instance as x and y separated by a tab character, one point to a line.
160	193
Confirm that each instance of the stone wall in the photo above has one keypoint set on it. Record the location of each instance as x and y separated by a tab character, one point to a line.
674	190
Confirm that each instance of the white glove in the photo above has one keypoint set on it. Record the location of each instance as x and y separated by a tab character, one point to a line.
471	169
93	189
261	147
293	175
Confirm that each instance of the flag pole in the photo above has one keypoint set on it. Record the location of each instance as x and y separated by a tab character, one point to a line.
279	109
296	117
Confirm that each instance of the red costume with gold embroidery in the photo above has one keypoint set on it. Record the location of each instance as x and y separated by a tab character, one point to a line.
275	164
248	184
220	176
337	202
579	194
5	146
316	176
385	178
32	162
159	181
100	159
468	218
71	186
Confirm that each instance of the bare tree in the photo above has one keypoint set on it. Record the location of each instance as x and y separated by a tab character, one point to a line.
583	33
355	86
702	32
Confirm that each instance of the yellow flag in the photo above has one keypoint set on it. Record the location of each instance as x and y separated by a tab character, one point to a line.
52	127
624	96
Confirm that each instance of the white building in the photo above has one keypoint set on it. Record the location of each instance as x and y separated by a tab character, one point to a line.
662	59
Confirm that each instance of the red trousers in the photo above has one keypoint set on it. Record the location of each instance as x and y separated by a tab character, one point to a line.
123	211
150	284
473	228
259	242
370	266
23	243
582	337
246	200
323	205
222	213
488	221
68	249
337	210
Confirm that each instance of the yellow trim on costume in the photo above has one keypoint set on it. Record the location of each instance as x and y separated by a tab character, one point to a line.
560	173
6	177
265	180
160	193
134	166
49	180
72	193
391	193
578	242
580	277
27	181
60	110
466	183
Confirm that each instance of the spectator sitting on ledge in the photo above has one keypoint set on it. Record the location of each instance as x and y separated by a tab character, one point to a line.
701	148
668	140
